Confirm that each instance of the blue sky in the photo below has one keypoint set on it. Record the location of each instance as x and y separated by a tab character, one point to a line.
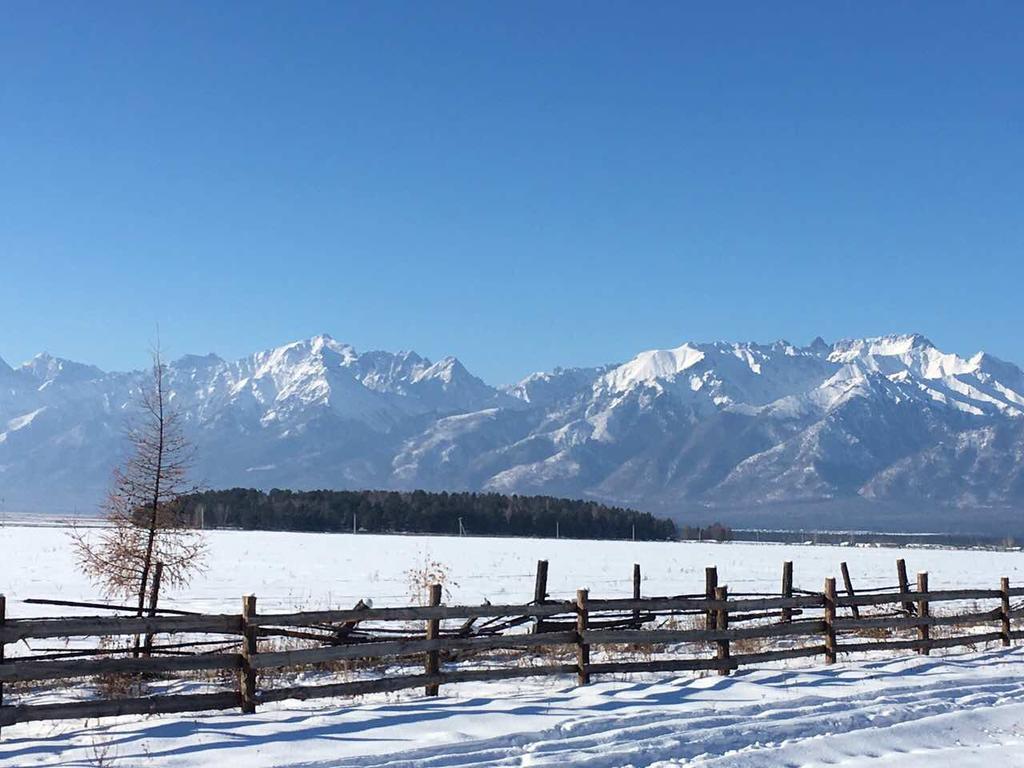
520	184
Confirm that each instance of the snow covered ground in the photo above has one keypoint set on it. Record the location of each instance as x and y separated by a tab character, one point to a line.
287	571
956	709
964	710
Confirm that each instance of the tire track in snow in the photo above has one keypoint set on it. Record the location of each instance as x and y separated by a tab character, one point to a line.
705	735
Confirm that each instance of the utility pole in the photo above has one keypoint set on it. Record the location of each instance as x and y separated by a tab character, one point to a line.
353	522
557	534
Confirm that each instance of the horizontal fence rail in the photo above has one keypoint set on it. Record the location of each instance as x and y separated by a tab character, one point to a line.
13	630
712	632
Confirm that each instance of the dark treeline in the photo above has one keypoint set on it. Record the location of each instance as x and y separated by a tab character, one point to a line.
486	514
713	532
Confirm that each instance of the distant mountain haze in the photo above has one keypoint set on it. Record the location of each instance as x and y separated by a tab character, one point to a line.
886	432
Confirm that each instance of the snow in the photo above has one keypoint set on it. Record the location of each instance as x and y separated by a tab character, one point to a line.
653	365
20	422
558	466
319	570
964	709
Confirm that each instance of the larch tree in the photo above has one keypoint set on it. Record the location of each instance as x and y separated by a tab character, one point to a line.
143	511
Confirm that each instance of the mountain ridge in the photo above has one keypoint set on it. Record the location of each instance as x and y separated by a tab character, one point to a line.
701	429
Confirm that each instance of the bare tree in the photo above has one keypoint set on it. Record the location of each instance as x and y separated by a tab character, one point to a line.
143	509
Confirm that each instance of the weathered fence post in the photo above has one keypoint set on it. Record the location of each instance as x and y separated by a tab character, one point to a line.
710	584
848	584
787	589
830	619
1004	609
3	619
540	592
432	661
154	597
923	630
722	624
540	587
636	595
582	647
247	676
901	574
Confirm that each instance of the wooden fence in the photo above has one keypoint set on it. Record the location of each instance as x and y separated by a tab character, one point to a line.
715	631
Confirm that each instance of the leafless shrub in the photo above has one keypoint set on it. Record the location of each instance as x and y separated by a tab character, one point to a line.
102	754
420	578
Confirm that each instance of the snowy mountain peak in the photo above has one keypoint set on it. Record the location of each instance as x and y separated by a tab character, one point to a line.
45	368
891	354
992	367
447	370
304	357
881	346
722	372
654	365
326	343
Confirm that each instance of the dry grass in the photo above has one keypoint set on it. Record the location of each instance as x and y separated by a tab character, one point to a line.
876	633
748	645
121	685
684	623
345	669
543	655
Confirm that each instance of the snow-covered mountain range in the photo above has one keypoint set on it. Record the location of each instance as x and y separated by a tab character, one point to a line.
732	430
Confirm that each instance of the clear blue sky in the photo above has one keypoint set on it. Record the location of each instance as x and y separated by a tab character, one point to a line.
520	184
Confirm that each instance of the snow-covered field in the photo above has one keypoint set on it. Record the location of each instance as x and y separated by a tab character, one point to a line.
302	570
957	709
